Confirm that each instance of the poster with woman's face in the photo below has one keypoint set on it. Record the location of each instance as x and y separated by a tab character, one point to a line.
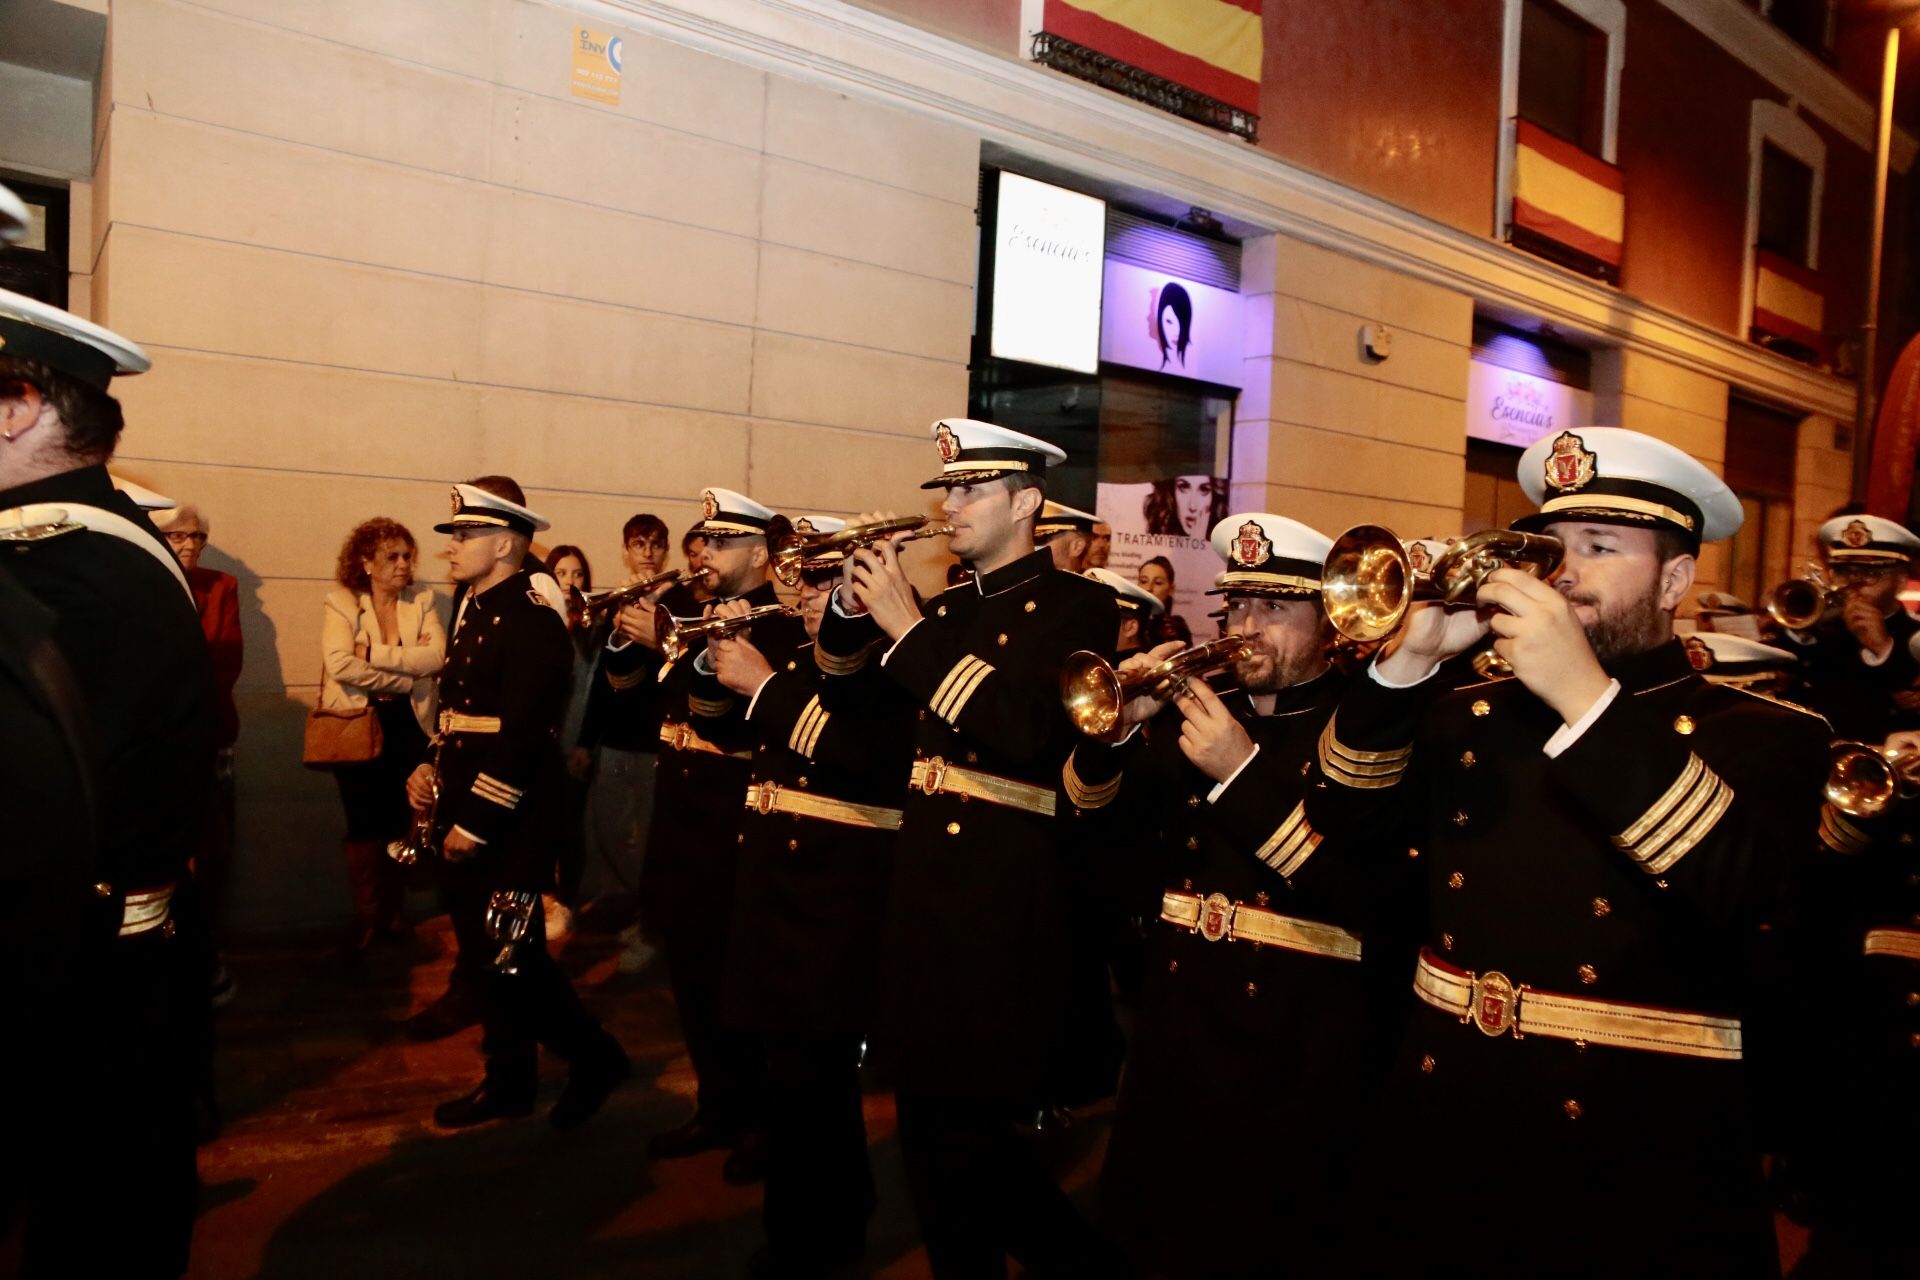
1160	539
1153	321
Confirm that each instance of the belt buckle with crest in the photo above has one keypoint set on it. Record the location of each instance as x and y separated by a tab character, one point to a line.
1216	916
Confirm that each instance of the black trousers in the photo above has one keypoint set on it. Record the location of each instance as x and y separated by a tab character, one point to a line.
982	1194
518	1014
729	1065
819	1192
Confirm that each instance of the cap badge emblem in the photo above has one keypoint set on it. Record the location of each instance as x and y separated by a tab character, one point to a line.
947	442
709	504
1856	535
1251	549
1699	653
804	525
1571	465
455	493
1418	557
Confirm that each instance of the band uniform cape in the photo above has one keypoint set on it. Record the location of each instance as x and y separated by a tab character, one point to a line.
1858	1121
130	638
1274	1045
1632	867
990	969
821	818
509	661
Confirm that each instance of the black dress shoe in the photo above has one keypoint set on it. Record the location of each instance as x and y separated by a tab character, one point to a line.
488	1102
588	1084
747	1162
690	1139
455	1011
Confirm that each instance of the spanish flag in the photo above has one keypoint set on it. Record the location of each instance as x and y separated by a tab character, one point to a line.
1788	301
1210	46
1567	196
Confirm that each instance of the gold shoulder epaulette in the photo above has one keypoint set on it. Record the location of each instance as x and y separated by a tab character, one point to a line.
16	531
1777	701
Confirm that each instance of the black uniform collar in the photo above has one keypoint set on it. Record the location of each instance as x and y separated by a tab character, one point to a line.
1019	573
519	576
89	486
761	595
1304	694
1660	665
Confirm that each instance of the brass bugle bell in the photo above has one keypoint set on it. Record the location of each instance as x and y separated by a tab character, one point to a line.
1370	583
1095	694
803	552
419	842
605	604
1800	604
679	634
1865	781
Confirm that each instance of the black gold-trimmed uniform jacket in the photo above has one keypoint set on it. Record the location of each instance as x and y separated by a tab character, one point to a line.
509	658
1282	1048
1633	867
1856	699
802	957
989	971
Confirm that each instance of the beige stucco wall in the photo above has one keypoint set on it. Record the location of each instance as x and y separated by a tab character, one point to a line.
374	248
1328	435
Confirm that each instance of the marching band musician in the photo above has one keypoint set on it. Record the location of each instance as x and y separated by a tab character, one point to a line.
1066	532
1856	660
103	637
1600	836
986	983
1254	1008
822	813
1138	608
687	881
502	696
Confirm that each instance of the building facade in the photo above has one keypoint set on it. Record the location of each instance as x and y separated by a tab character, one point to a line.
625	249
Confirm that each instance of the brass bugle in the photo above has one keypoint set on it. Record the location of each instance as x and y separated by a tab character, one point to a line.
1800	604
1369	583
1095	694
419	842
804	552
679	634
604	604
1865	781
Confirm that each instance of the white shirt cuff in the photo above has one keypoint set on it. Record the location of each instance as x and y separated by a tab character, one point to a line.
1221	788
896	643
833	603
1568	734
1866	656
755	699
617	640
468	834
1373	673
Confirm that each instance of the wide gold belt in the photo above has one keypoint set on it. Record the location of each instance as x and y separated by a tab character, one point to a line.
458	722
684	737
1217	916
935	775
1492	1002
1904	943
771	797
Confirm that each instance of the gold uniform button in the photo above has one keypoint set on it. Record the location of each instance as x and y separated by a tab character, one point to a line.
1481	707
103	890
1173	966
1588	974
1030	606
941	612
1426	1063
1193	842
1456	881
953	828
1915	1040
793	666
1446	942
1468	760
973	757
1460	818
1261	899
1602	908
1572	1107
168	929
1252	990
1913	999
1186	886
1412	852
1683	725
1193	802
741	838
1001	639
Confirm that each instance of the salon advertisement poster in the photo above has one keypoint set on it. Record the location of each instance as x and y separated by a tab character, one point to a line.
1164	324
1164	525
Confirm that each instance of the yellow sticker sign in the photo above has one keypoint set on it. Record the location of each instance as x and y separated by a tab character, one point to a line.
596	65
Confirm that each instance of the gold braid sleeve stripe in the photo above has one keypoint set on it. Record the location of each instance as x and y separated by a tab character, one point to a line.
834	665
950	699
806	731
1839	834
1661	808
627	681
1361	770
710	708
1289	847
1679	820
1084	796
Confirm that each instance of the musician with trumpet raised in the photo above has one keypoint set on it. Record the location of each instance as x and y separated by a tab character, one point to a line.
989	968
1254	1018
687	879
1854	639
496	799
1600	836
